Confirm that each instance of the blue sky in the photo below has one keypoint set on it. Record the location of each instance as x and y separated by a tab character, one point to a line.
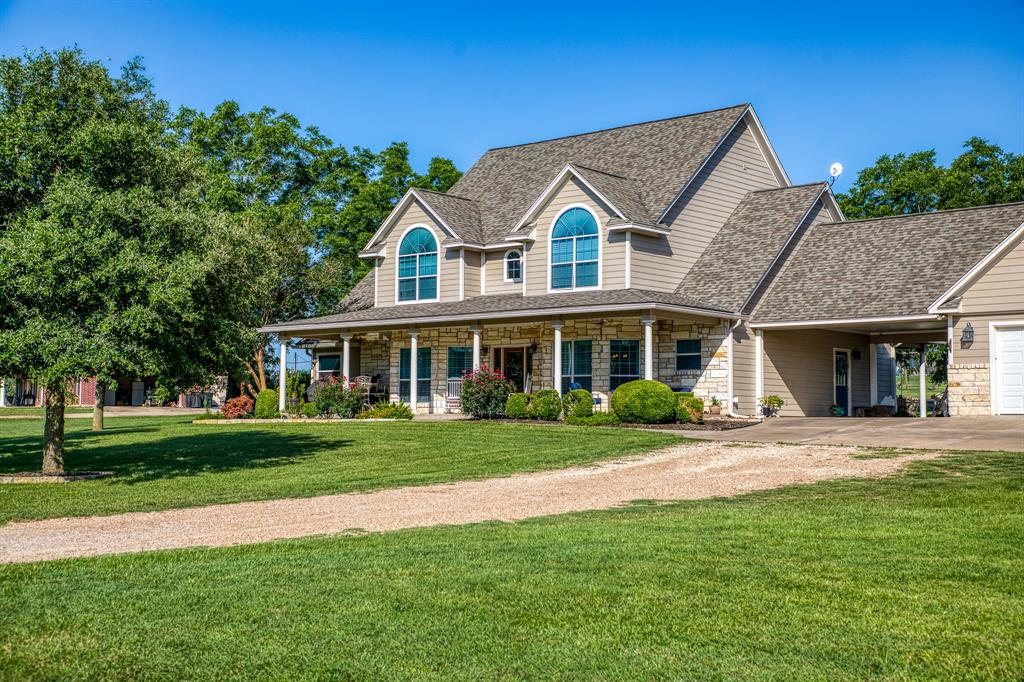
830	81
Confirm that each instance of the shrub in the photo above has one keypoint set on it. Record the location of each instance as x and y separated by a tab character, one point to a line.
644	402
595	419
690	409
308	409
296	385
545	405
266	405
336	396
386	411
236	408
518	406
771	404
485	392
578	403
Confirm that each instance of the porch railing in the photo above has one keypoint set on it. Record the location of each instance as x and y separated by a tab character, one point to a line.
455	388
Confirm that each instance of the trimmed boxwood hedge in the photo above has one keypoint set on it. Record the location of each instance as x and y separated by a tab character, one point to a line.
517	406
578	403
595	419
545	405
266	405
690	409
644	402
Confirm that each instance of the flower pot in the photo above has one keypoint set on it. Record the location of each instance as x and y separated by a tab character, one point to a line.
715	409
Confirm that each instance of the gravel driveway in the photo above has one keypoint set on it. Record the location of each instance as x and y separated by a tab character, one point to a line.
682	472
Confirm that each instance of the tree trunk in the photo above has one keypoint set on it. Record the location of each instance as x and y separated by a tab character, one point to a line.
53	434
97	406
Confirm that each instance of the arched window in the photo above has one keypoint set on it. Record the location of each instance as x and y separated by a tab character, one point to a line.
417	266
514	266
574	250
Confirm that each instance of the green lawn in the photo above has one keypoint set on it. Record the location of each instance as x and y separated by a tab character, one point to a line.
915	576
166	462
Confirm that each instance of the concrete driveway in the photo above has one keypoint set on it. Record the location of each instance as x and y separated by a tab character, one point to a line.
952	433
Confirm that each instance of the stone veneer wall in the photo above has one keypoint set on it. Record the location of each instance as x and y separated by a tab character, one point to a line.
969	390
711	379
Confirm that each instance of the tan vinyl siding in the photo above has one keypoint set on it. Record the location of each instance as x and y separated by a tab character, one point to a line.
978	350
744	362
473	273
612	265
799	368
496	283
448	267
1001	288
737	167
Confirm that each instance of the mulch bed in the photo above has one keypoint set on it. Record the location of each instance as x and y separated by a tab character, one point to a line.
40	477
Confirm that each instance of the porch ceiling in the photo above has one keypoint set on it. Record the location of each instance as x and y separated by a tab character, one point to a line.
920	329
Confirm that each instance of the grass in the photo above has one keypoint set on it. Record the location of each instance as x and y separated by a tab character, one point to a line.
907	386
914	576
166	462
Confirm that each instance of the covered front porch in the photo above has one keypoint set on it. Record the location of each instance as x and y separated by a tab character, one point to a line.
594	352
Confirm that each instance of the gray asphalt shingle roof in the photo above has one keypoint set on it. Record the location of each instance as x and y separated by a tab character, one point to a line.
654	160
886	266
732	265
461	214
505	303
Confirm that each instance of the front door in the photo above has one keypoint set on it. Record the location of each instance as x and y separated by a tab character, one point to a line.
842	380
512	363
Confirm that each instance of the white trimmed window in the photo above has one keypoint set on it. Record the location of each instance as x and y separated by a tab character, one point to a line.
514	266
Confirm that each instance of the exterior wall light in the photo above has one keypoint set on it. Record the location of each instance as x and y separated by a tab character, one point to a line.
968	335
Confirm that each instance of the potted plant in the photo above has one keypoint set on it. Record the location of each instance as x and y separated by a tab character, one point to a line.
770	405
716	405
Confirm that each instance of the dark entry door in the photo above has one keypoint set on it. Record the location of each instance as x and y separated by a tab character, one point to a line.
515	367
842	380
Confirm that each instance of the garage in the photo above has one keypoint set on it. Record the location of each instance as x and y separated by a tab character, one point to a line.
1008	369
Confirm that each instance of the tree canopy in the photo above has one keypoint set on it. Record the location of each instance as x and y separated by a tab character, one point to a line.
915	183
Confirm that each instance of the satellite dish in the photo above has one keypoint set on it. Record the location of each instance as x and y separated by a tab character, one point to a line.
835	170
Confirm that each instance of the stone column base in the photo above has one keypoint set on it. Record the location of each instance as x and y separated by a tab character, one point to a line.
970	391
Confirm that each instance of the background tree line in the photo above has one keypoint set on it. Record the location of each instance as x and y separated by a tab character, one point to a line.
140	241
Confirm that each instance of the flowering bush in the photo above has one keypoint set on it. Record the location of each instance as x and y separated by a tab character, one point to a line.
334	395
484	393
236	408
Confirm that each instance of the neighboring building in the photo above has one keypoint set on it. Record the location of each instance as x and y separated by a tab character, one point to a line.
127	391
675	250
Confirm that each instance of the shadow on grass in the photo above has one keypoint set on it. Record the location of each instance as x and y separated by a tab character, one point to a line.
138	460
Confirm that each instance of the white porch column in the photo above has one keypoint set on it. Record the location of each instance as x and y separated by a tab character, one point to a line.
556	366
758	371
413	369
283	381
345	339
476	329
873	369
3	392
922	385
648	323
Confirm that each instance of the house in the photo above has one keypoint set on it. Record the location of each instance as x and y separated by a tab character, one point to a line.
675	250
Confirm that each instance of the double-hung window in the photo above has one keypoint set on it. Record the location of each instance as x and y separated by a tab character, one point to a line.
514	266
328	366
460	361
624	362
417	266
687	354
422	374
577	364
574	250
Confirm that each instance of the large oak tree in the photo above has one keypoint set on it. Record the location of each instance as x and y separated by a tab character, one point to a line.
111	256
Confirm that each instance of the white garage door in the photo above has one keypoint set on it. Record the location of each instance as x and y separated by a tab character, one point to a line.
1010	370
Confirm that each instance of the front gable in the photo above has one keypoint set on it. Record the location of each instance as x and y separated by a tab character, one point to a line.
408	215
